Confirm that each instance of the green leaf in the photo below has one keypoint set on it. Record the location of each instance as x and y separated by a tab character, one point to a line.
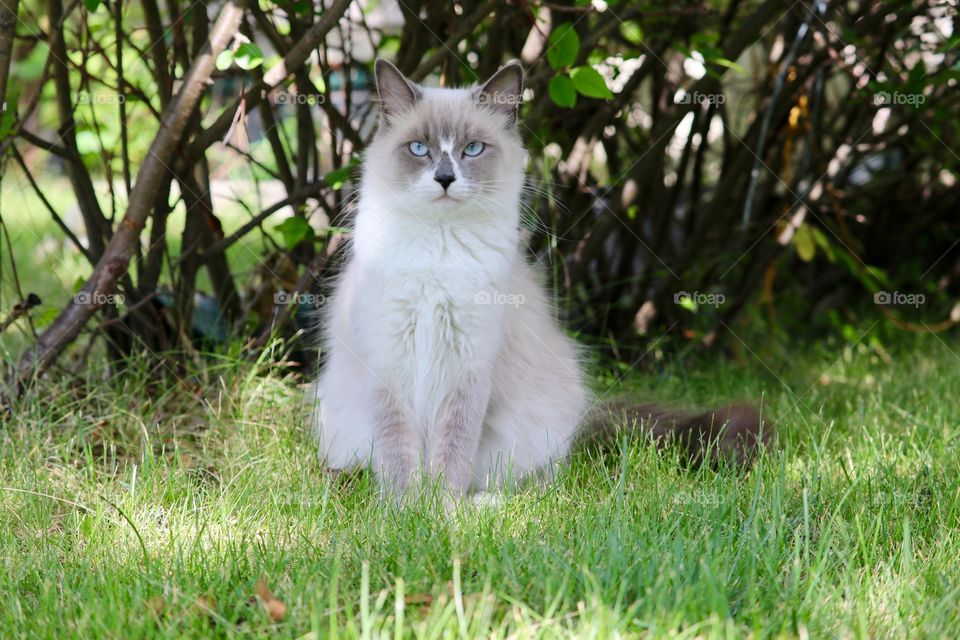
7	122
562	92
294	230
92	5
879	275
823	242
87	142
337	177
688	303
224	60
729	64
45	317
248	56
589	82
632	32
563	46
804	242
704	39
8	115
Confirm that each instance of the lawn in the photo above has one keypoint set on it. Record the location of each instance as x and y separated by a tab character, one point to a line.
131	509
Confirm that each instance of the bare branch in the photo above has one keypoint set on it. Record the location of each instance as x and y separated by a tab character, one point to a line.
98	229
53	212
115	260
291	62
8	27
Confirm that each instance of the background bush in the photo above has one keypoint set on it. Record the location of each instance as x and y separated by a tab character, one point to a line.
697	168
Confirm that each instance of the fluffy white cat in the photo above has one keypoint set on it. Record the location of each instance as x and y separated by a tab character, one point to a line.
443	352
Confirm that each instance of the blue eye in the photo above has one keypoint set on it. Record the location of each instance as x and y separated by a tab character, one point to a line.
418	149
473	149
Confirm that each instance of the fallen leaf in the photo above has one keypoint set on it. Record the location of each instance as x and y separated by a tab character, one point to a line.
274	608
155	605
423	599
206	602
237	134
207	606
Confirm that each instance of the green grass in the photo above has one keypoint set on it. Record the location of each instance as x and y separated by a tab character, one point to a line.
135	510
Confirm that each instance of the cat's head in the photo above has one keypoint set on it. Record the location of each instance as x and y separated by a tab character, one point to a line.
443	151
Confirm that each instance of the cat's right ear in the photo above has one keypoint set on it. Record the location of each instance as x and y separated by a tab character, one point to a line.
397	94
503	92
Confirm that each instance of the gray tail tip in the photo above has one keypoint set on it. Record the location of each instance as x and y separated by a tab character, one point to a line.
734	433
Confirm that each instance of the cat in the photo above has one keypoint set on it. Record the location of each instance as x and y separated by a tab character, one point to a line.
444	359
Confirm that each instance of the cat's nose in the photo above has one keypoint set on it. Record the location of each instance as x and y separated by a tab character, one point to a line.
445	178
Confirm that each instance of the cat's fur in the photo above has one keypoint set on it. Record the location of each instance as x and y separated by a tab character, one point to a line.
443	352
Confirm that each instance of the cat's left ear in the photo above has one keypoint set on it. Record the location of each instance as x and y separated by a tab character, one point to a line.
504	90
397	94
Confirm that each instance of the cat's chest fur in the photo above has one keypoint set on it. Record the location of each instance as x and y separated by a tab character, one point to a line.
430	303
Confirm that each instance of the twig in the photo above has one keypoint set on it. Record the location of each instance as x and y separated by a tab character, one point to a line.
8	28
292	61
19	309
98	229
52	147
467	27
53	212
115	260
777	88
312	189
109	322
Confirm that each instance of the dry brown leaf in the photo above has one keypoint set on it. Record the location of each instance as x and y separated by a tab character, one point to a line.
206	605
274	607
155	605
423	599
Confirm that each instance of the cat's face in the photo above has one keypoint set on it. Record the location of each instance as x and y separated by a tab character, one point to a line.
446	151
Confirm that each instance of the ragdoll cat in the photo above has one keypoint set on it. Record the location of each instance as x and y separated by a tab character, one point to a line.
444	357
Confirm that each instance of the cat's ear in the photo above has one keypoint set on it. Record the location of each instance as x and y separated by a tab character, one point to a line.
504	90
397	94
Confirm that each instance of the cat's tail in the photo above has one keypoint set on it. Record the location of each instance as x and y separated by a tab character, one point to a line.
735	433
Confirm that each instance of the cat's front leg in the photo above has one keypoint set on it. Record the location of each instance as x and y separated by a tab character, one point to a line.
453	454
398	453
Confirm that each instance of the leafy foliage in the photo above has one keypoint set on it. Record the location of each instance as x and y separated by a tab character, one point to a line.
793	161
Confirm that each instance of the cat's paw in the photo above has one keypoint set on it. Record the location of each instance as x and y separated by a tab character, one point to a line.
487	500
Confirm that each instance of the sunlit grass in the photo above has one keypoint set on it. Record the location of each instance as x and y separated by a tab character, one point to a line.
131	509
